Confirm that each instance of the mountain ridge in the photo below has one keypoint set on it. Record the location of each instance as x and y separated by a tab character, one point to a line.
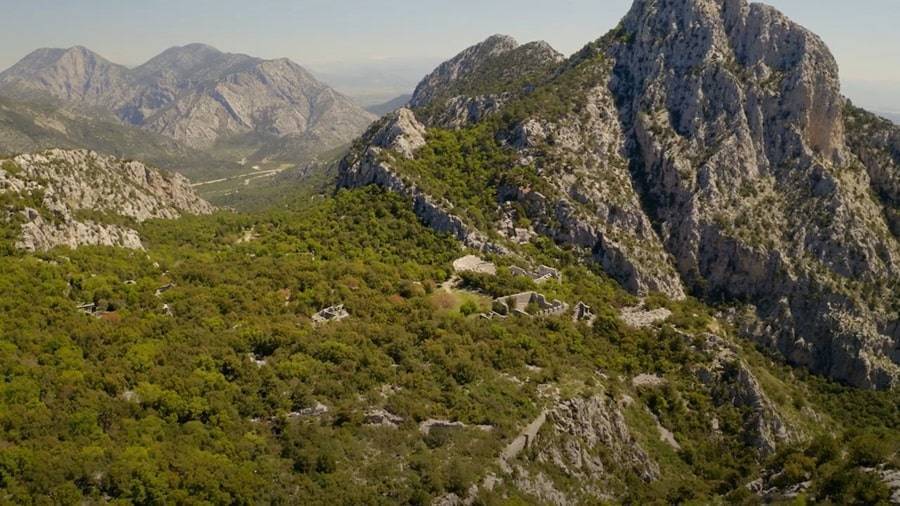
76	198
666	156
197	95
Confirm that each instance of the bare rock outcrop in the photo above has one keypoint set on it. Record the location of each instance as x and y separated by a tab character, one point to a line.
586	438
69	190
400	134
39	234
732	381
734	124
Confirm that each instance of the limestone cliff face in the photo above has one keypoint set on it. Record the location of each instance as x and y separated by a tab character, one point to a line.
702	147
462	65
400	134
734	123
481	79
60	186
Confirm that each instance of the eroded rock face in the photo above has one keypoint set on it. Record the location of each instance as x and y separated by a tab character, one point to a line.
735	131
595	421
594	205
401	134
464	64
574	436
732	381
70	183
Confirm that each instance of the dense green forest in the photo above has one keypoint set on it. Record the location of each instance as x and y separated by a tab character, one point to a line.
203	380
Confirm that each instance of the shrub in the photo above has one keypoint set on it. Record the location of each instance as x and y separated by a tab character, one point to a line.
469	308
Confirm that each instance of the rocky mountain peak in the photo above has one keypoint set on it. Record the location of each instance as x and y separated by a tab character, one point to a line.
182	66
476	82
195	48
735	123
738	45
57	56
70	74
468	62
496	44
199	96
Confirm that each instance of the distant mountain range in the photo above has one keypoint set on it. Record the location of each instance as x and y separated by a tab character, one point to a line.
389	106
893	116
230	106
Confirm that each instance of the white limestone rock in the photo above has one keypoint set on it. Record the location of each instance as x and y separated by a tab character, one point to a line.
71	182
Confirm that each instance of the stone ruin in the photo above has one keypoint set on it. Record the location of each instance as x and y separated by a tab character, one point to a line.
584	313
540	275
427	426
94	310
382	418
331	314
472	263
317	409
639	317
531	304
163	289
89	308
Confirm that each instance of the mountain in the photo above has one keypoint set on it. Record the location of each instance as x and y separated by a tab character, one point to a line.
75	74
228	105
554	281
77	197
389	106
702	147
481	78
27	127
894	117
467	63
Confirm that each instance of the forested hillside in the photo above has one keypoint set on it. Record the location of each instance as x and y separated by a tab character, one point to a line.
200	377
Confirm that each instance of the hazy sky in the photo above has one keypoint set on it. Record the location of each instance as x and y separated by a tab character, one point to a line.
862	33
